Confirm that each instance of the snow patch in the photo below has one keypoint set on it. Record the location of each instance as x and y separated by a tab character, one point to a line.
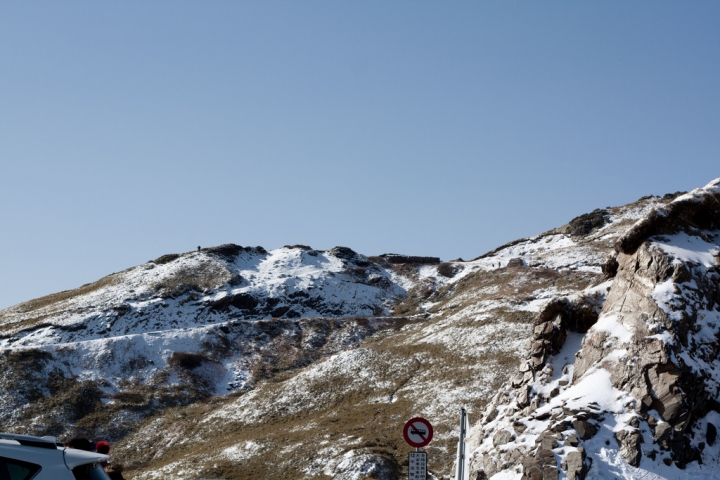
687	248
610	325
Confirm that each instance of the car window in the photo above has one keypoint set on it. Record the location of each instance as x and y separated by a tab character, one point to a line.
91	471
11	469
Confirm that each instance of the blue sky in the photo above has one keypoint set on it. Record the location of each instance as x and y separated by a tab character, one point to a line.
134	129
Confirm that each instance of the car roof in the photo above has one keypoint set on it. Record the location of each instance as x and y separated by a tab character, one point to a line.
31	441
42	456
43	450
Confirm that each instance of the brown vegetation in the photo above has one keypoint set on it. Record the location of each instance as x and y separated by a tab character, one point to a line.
65	295
186	360
207	275
162	260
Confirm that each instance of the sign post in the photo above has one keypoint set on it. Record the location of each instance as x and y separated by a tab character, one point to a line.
417	432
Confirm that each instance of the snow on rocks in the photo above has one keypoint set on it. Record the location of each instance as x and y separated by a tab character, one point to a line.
524	426
636	400
356	466
203	287
693	212
134	320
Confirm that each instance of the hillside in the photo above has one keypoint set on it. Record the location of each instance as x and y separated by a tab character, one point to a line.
237	362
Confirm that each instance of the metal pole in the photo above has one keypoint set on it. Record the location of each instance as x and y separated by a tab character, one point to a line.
461	447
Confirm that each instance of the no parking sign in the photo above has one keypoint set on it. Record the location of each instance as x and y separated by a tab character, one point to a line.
418	432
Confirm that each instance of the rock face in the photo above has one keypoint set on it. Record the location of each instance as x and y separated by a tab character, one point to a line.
640	388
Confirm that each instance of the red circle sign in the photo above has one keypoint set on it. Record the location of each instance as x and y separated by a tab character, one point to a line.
418	432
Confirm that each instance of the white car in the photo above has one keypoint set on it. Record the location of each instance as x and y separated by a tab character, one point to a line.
23	457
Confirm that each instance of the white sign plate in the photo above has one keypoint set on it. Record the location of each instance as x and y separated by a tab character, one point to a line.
417	466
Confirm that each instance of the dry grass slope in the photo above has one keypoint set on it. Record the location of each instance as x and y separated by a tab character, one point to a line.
45	307
306	412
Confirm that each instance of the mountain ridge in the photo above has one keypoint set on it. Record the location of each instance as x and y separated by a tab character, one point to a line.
220	360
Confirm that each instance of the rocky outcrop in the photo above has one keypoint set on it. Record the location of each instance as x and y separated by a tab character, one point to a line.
394	258
551	327
643	379
693	212
588	222
519	405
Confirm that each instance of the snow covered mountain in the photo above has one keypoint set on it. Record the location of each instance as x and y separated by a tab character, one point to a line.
237	362
204	287
187	326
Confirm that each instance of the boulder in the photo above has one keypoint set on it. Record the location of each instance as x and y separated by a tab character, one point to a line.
542	466
546	440
516	262
610	266
629	443
663	434
539	348
241	301
561	426
523	397
516	455
532	472
543	330
502	437
550	473
668	398
491	415
519	427
584	429
517	380
683	452
576	468
525	367
571	440
681	274
587	223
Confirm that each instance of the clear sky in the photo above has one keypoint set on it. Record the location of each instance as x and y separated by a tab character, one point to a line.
133	129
